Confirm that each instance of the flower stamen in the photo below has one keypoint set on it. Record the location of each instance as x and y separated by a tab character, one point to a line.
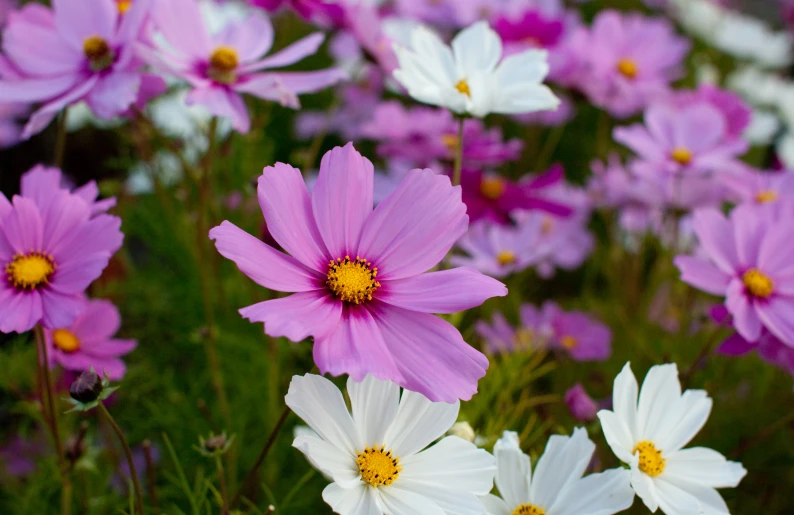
651	461
377	466
30	271
98	52
528	509
758	284
65	340
628	68
492	187
766	196
223	64
506	257
463	87
352	281
681	155
568	342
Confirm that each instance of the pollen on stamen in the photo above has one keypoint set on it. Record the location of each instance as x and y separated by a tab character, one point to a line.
506	257
30	271
463	87
568	342
378	466
98	52
65	340
651	461
765	197
681	155
492	187
758	284
528	509
352	281
628	68
223	64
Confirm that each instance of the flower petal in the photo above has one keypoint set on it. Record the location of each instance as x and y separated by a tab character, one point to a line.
717	238
702	274
399	501
706	466
298	316
604	493
745	316
222	102
660	392
359	500
778	316
329	459
374	404
562	463
418	423
513	470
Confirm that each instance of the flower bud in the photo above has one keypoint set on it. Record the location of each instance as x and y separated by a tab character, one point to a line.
462	430
86	388
582	407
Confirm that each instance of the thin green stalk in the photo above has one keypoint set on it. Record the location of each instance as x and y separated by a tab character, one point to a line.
60	141
458	154
222	482
128	453
549	146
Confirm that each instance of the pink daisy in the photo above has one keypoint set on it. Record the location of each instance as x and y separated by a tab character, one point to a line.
49	256
42	183
88	341
220	67
359	274
746	258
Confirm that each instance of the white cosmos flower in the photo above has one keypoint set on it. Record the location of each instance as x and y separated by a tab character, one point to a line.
650	436
469	77
557	486
376	458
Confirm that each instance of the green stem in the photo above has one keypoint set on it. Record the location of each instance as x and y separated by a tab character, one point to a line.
549	146
128	453
458	154
222	482
60	141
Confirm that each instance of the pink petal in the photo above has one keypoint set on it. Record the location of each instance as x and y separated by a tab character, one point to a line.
448	291
108	348
100	235
776	249
414	227
430	354
73	277
223	102
76	23
250	37
749	232
290	55
745	317
114	94
342	199
262	263
40	183
735	345
63	217
699	128
638	139
24	227
288	213
284	87
702	275
19	311
356	347
99	319
44	115
39	51
59	310
717	238
81	361
778	316
181	23
36	90
659	120
298	316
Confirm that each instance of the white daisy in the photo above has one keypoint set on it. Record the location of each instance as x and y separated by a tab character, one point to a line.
469	77
376	456
650	437
557	487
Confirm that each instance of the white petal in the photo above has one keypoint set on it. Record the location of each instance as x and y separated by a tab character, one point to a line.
659	394
476	48
674	500
398	501
693	409
320	404
495	506
354	501
436	57
597	494
617	435
374	403
624	399
644	486
529	99
418	423
562	463
453	464
706	466
329	459
711	502
513	470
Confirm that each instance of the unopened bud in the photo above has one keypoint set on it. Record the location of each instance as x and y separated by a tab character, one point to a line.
462	430
86	388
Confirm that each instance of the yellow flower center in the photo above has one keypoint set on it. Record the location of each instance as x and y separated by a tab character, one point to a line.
451	141
98	52
463	87
123	6
766	196
29	271
568	342
546	225
377	466
506	257
651	460
528	509
524	337
628	68
65	340
352	281
223	63
758	284
681	155
492	187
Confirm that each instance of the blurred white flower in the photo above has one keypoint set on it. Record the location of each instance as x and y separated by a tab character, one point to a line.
650	436
471	77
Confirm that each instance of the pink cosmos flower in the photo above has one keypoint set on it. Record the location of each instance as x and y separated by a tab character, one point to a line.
757	187
691	139
88	341
582	407
50	255
736	113
579	335
222	66
42	184
360	275
746	258
533	332
626	61
68	54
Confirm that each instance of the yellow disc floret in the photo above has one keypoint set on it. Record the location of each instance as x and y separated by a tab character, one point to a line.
378	466
463	87
506	257
65	340
223	64
352	281
651	460
681	155
123	6
98	52
568	342
528	509
492	187
31	270
628	68
758	284
451	141
766	196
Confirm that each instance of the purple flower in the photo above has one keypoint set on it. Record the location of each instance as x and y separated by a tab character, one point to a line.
10	126
42	183
581	336
20	455
734	110
322	12
746	258
69	54
582	407
359	274
761	188
691	139
626	61
222	66
50	255
565	242
533	332
88	341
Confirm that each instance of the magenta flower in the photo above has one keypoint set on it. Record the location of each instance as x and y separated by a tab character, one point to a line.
691	139
42	184
746	258
564	242
582	407
533	332
757	187
579	335
499	250
68	54
359	275
50	255
322	12
627	61
222	66
88	341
